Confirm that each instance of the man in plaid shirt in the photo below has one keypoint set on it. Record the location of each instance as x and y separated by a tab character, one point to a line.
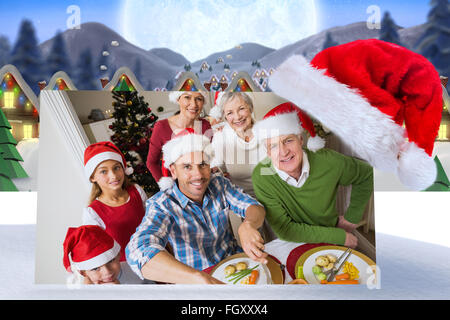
192	216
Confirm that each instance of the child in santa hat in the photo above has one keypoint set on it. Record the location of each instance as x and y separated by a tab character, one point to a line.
92	253
115	204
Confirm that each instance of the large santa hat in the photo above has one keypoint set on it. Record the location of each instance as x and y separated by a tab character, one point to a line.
175	95
101	151
285	119
364	91
184	142
88	247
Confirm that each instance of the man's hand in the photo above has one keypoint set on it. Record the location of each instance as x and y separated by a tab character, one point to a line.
350	240
252	242
346	225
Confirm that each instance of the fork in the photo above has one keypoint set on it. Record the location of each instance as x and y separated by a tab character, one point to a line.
336	262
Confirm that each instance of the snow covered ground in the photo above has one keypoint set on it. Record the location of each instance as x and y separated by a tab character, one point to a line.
409	270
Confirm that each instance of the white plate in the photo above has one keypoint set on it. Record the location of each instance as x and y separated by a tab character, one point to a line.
264	273
365	272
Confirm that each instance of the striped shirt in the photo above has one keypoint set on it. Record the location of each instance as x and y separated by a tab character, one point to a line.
199	234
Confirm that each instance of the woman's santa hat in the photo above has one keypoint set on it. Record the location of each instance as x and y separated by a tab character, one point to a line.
364	91
101	151
88	247
186	141
286	119
175	95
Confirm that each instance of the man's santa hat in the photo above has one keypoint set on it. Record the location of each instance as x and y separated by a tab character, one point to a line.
175	95
88	247
101	151
286	119
186	141
364	91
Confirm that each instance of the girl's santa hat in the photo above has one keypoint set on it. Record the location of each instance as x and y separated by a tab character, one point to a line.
285	119
88	247
186	141
364	91
101	151
175	95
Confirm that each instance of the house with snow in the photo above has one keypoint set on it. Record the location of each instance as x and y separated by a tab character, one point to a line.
19	104
244	83
188	81
60	81
123	80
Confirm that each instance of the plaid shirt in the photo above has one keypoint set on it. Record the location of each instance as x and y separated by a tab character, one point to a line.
199	234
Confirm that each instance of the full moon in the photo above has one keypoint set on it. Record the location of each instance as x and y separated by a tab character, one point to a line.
199	28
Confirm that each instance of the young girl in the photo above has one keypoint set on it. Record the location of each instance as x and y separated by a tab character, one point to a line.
115	204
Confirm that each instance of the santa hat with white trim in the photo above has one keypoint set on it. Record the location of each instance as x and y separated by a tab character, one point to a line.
363	91
175	95
285	119
88	247
101	151
186	141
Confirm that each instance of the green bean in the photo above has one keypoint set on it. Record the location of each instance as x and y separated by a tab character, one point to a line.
241	274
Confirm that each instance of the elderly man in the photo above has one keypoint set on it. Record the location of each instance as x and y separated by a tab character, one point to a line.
298	187
192	216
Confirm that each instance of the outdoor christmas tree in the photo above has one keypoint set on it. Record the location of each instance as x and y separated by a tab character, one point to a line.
329	41
10	168
85	73
5	51
132	129
388	30
57	59
26	56
434	44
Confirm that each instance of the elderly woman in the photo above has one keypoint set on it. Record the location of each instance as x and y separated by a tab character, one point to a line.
236	148
191	105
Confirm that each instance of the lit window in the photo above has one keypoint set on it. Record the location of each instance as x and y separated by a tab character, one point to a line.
27	131
9	100
442	135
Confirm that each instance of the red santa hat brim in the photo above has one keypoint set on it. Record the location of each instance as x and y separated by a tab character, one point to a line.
102	151
175	95
88	247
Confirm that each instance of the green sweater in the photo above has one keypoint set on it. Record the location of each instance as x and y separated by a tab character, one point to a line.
308	214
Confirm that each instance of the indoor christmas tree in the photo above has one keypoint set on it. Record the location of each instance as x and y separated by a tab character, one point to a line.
10	168
132	129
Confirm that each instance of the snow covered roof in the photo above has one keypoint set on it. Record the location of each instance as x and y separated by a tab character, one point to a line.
117	78
185	77
63	76
244	76
9	68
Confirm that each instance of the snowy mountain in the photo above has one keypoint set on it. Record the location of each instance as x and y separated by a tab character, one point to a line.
160	65
155	70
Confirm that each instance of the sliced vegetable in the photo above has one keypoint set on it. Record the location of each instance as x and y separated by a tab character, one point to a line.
340	282
235	277
253	277
316	269
321	276
343	276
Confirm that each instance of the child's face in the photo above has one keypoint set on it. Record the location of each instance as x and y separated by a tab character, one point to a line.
104	274
109	175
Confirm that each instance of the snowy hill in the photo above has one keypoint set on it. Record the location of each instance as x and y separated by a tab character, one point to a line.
94	36
171	57
160	65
